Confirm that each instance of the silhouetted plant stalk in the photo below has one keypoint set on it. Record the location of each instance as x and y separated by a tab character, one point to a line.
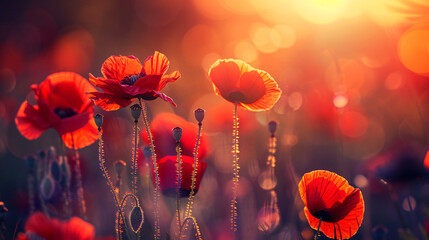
3	214
41	172
157	233
78	177
316	236
236	169
98	118
135	112
136	215
199	116
67	179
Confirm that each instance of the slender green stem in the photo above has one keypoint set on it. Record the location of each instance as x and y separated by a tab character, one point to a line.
236	169
191	197
79	187
195	224
155	166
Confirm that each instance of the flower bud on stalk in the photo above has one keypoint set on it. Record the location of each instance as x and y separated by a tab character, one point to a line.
98	119
136	110
199	115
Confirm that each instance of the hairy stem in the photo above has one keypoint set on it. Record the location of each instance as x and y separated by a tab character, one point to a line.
236	169
155	166
191	197
134	174
106	176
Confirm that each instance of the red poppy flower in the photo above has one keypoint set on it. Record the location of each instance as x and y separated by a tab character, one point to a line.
330	199
124	78
165	149
63	105
52	229
167	168
237	81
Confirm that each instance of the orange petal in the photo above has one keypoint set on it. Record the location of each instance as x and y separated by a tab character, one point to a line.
118	67
82	137
156	64
270	97
109	102
168	78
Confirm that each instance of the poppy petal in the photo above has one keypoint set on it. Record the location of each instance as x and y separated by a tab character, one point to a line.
108	101
251	84
82	137
155	65
154	94
269	98
72	123
168	78
77	228
65	89
224	75
119	67
40	224
343	205
107	85
29	122
145	84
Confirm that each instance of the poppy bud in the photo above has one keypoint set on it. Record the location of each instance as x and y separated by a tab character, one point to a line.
177	134
272	127
119	167
147	152
136	110
136	218
98	119
47	187
3	212
199	115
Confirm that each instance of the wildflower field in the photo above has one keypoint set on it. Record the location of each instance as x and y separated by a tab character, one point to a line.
217	119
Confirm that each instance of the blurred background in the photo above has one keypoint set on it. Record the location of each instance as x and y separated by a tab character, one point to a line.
355	100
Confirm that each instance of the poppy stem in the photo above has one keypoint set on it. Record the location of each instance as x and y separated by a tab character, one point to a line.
134	175
155	166
79	187
318	229
101	161
191	197
179	177
236	169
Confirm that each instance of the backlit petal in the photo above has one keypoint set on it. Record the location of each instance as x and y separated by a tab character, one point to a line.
29	122
109	102
156	64
119	67
82	137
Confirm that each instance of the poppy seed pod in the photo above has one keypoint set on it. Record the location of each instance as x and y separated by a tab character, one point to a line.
98	119
136	111
119	167
272	127
136	218
177	133
199	114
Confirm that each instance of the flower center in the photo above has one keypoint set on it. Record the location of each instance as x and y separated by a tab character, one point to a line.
326	217
130	79
65	112
237	96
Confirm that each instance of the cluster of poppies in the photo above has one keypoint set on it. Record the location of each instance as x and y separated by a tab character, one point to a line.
65	102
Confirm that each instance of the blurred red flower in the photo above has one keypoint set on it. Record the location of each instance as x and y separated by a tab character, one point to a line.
165	149
330	199
63	105
124	78
237	81
40	226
